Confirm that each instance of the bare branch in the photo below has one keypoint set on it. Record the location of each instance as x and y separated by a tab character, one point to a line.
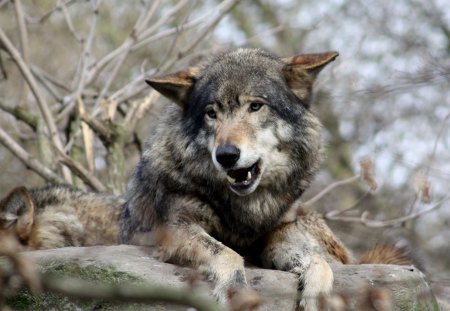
43	106
221	12
139	32
81	172
124	49
104	133
335	213
139	109
88	139
144	19
171	31
433	153
46	84
81	75
164	19
372	223
136	86
81	289
21	114
145	38
47	15
81	79
42	73
3	73
330	187
28	160
68	19
429	75
23	35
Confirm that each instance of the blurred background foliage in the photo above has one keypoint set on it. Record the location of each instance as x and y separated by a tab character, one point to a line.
386	98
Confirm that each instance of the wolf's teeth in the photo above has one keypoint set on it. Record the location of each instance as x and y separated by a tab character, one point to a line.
249	175
231	180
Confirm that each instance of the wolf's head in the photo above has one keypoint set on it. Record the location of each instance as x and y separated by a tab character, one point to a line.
246	107
17	213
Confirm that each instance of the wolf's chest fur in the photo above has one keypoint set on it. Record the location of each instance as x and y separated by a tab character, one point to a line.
176	164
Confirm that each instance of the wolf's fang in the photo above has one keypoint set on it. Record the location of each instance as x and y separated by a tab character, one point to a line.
231	180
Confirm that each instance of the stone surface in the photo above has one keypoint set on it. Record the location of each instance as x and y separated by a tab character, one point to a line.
356	283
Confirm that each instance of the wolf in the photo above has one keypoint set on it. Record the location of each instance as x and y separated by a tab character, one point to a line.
58	216
222	172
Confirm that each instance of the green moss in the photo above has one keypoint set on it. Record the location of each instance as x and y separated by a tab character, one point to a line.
25	300
92	273
417	297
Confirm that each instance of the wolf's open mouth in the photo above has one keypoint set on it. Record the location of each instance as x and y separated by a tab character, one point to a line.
243	178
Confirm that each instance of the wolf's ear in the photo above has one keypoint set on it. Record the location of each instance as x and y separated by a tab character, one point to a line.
17	210
300	71
175	86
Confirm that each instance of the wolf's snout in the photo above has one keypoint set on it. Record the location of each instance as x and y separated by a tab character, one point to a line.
227	155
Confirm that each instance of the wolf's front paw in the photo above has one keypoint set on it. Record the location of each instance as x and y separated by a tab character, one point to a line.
315	282
244	299
238	298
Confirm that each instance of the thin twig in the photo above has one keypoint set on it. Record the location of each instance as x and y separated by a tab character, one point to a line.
138	110
104	133
372	223
335	213
138	36
46	84
226	7
269	32
412	205
124	49
143	22
164	19
136	86
28	160
145	39
81	74
433	153
41	72
68	19
48	14
23	35
78	169
430	160
330	187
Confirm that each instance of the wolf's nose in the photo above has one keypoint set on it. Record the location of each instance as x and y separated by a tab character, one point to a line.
227	155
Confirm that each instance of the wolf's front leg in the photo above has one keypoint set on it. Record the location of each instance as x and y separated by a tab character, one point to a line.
189	243
291	248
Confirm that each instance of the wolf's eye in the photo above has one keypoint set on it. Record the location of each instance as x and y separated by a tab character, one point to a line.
255	106
211	113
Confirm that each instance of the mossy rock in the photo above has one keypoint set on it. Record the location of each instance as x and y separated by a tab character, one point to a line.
25	300
124	264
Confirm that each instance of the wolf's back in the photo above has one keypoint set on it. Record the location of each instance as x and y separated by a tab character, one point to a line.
58	216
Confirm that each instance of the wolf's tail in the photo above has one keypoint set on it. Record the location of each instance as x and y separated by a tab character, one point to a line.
391	254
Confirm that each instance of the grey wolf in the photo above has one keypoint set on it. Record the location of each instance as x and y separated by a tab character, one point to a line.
58	216
221	174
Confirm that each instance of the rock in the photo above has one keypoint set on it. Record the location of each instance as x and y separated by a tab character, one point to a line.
371	285
441	289
405	286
